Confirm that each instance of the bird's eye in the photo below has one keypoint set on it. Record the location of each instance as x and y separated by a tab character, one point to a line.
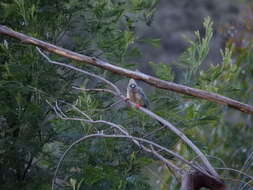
132	85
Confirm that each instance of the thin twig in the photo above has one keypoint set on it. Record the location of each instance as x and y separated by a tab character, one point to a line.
77	109
210	156
169	164
28	166
245	185
238	171
79	70
153	132
95	90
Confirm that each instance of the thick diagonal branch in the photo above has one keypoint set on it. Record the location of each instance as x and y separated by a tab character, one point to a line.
132	74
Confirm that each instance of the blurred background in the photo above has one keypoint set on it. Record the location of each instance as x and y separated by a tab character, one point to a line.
174	20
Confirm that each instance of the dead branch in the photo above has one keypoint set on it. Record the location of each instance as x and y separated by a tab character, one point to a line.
172	166
213	97
94	90
121	129
131	138
211	170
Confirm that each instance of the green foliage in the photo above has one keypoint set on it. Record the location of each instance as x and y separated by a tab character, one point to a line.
108	27
164	71
217	130
240	128
197	52
33	137
218	77
193	112
29	130
25	83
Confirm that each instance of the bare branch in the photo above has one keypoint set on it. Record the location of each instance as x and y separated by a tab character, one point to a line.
148	112
184	138
123	131
132	138
237	171
154	131
95	90
136	140
213	97
120	128
79	70
210	156
169	164
246	184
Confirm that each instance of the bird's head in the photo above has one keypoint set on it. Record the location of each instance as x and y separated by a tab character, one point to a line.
132	84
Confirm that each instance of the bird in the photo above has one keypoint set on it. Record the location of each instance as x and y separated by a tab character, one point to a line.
136	94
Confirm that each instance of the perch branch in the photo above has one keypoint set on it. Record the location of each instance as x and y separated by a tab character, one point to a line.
213	97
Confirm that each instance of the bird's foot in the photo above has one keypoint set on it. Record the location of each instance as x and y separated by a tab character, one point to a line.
137	106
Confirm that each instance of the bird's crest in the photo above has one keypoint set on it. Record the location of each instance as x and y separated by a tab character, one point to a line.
132	83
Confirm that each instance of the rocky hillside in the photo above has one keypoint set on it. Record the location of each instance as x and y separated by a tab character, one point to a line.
177	18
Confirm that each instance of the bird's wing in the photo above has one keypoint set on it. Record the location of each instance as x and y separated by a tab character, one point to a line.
143	97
